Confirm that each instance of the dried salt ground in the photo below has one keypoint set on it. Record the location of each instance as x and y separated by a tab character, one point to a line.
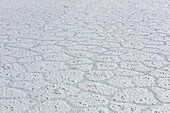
72	56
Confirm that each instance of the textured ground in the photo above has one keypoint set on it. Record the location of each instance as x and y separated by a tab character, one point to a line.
84	56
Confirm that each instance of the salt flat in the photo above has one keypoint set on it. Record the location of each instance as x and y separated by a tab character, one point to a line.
84	56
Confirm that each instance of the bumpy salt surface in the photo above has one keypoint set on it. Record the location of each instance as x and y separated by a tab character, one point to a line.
86	56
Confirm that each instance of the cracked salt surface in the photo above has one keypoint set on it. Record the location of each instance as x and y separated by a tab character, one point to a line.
82	56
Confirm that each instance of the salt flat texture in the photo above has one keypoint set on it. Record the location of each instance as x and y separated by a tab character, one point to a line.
84	56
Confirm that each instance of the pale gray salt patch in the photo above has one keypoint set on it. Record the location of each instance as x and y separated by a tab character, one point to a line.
16	105
44	66
56	34
17	52
4	82
91	110
84	99
47	49
83	30
5	50
115	40
87	35
80	47
143	81
106	58
136	95
48	42
24	43
8	93
116	51
168	58
53	91
7	59
79	40
29	85
4	37
65	90
106	66
67	76
162	94
125	72
111	44
160	73
65	34
140	56
78	53
66	43
155	64
59	56
125	107
167	67
11	70
120	82
29	59
4	68
159	36
165	50
132	38
152	50
93	42
3	43
165	108
168	43
97	88
82	67
137	66
164	83
27	76
54	37
52	106
133	44
153	42
79	61
155	46
98	75
99	50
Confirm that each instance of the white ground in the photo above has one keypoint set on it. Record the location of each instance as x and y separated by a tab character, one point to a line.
84	56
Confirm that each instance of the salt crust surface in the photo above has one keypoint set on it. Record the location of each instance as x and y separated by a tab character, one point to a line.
84	56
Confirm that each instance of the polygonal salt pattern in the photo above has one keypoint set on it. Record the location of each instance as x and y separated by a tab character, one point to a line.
133	44
136	95
164	83
121	82
106	65
136	66
140	56
162	94
54	106
79	61
47	49
97	88
68	76
51	91
143	81
97	75
106	58
82	56
91	110
126	107
16	105
85	99
60	56
160	109
82	67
